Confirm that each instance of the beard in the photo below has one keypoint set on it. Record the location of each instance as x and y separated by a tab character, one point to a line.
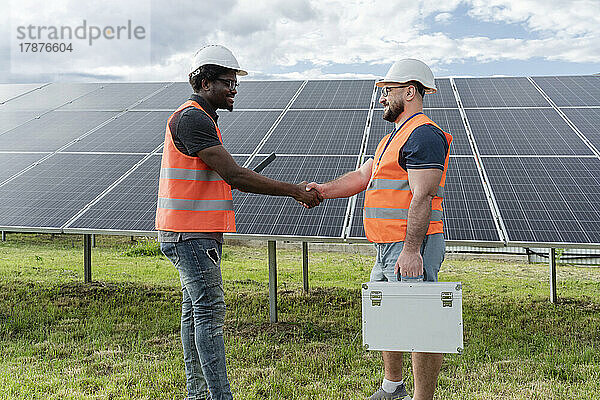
393	111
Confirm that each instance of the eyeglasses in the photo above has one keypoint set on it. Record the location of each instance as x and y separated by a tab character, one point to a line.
386	89
230	82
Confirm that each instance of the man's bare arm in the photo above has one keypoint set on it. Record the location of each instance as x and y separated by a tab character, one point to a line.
424	185
346	185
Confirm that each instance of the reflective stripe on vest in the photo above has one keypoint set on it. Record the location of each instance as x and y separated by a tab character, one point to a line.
396	184
189	174
191	196
396	213
195	205
388	196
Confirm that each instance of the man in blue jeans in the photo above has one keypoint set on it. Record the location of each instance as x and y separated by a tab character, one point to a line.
195	207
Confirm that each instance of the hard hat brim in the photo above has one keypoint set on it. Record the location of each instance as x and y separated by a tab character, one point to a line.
384	82
239	72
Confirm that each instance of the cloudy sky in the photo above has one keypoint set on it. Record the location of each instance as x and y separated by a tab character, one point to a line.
315	39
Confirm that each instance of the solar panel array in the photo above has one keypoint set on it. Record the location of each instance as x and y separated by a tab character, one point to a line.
524	163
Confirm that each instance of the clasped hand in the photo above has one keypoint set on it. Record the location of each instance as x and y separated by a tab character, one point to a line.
308	195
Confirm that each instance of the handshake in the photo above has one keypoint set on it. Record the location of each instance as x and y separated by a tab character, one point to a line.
309	194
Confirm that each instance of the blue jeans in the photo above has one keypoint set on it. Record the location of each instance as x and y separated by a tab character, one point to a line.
433	251
202	315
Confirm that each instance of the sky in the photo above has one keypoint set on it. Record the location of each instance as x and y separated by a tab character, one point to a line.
311	39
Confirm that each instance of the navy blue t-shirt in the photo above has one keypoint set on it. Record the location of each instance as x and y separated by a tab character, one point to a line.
425	148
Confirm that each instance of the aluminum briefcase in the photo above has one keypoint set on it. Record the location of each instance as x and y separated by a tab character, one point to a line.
412	317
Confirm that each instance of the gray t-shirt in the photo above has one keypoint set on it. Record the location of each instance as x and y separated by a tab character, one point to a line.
166	236
193	131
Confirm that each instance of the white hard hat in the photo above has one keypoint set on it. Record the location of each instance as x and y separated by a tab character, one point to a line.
218	55
409	69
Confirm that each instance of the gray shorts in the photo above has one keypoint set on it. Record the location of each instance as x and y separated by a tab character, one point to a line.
433	250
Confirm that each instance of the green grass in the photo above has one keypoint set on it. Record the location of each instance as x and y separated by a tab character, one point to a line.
118	338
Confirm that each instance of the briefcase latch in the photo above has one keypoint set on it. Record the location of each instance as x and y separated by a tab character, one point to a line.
447	299
375	297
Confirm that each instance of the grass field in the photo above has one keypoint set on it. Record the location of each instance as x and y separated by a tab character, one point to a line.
118	338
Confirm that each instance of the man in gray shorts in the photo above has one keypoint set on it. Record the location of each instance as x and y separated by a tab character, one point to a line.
404	186
432	250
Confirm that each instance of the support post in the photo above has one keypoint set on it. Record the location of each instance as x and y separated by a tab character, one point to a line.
93	241
87	258
3	236
529	255
273	280
552	261
305	266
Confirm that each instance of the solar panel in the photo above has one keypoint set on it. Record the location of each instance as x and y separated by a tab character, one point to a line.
547	199
357	229
11	90
168	99
318	132
499	92
131	132
265	94
114	96
335	94
49	97
242	131
467	215
56	189
283	216
571	90
527	131
12	163
52	131
587	120
443	98
379	128
449	120
131	205
12	119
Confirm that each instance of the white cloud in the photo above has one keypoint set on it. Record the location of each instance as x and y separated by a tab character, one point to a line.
574	17
174	68
443	18
314	73
379	32
309	38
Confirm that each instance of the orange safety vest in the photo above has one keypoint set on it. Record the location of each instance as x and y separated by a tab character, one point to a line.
191	196
388	194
